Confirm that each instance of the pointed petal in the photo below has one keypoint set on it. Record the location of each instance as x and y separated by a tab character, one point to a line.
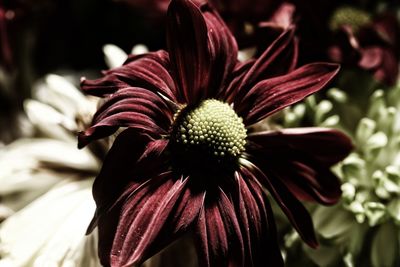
302	158
219	240
150	71
291	206
152	216
327	146
223	50
271	63
131	107
188	48
123	168
257	223
272	95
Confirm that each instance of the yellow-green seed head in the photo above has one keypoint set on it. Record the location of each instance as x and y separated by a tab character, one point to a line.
350	16
212	128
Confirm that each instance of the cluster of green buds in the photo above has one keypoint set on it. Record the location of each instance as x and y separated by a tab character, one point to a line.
364	228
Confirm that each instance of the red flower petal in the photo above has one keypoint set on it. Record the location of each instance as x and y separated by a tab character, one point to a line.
150	71
126	166
223	50
272	62
257	223
272	95
291	206
153	215
219	240
131	107
327	146
301	158
188	49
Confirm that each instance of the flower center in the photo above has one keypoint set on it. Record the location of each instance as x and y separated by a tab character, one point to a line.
212	129
353	17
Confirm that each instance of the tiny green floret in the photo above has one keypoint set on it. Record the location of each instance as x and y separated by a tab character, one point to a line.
213	128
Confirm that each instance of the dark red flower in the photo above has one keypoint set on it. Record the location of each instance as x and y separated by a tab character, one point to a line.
350	35
187	162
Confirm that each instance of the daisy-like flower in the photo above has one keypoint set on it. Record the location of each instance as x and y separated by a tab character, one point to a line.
188	162
46	183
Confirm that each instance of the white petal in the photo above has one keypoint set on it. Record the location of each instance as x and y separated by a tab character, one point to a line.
114	56
44	232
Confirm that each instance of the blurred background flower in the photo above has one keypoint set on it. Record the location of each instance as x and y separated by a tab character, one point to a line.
364	229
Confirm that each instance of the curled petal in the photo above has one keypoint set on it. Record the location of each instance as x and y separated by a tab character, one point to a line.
131	107
219	239
150	71
272	95
290	205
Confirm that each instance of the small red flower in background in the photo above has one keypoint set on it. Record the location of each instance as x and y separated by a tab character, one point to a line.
187	162
350	35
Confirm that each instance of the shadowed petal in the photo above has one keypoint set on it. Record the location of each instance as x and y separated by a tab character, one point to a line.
257	223
240	70
327	146
291	206
187	44
272	95
131	107
126	166
302	157
150	71
152	216
223	50
219	239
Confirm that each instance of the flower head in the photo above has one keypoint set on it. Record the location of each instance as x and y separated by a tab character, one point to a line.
189	161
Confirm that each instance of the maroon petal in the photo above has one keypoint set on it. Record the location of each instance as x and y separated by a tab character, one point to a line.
257	224
132	107
223	50
290	205
126	166
153	215
188	48
150	71
219	239
327	146
272	62
302	158
272	95
237	75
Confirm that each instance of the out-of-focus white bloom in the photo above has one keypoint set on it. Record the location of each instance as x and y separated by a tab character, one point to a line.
115	56
50	231
30	166
48	171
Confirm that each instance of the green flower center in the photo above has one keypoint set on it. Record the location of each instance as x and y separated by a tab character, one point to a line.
212	129
350	16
